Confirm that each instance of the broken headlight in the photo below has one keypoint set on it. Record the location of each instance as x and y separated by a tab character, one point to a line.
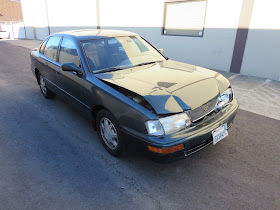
224	99
168	125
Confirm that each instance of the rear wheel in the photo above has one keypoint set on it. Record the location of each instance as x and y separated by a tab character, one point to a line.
43	87
110	133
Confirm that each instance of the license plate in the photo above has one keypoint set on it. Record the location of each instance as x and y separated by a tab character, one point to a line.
219	133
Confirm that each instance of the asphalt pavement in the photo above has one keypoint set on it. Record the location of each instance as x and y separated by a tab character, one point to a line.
51	158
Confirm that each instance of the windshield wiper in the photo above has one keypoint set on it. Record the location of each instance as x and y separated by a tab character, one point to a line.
123	67
146	63
113	69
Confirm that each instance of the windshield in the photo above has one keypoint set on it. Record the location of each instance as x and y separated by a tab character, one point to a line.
119	53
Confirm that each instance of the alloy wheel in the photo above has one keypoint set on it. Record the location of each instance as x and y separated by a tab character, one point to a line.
43	85
109	133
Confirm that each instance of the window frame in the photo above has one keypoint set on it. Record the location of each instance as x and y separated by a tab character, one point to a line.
176	2
78	50
104	38
58	55
42	46
58	47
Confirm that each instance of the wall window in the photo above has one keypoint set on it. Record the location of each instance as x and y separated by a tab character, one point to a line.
184	18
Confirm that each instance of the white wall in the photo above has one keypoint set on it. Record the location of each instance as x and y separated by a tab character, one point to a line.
145	17
214	50
59	16
8	28
35	19
18	30
129	13
69	15
262	52
27	13
13	31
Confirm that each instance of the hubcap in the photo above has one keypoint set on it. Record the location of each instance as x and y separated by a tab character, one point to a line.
109	133
43	85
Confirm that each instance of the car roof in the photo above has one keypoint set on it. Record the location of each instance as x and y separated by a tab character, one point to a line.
86	34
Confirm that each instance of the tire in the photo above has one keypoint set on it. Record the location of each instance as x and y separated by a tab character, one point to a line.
109	132
43	87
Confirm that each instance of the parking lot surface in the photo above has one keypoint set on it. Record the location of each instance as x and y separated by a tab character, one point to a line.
51	158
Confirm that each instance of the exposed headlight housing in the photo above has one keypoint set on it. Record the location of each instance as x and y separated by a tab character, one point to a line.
168	125
224	99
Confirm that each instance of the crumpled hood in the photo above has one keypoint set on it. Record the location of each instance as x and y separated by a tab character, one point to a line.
170	86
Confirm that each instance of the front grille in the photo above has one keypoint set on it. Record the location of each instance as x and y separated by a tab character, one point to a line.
203	110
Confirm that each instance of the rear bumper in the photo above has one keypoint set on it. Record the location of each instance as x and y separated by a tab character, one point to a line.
194	138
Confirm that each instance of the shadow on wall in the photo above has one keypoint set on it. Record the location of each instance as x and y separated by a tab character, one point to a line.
214	50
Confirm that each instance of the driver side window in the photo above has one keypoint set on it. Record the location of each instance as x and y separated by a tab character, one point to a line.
68	52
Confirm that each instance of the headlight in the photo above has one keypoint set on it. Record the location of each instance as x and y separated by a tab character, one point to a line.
168	125
154	128
224	99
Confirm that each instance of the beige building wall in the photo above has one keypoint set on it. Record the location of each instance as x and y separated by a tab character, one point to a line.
11	21
262	52
10	10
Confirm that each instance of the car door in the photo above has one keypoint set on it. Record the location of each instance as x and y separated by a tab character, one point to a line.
71	83
48	61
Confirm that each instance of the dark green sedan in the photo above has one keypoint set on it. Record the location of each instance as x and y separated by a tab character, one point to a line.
131	91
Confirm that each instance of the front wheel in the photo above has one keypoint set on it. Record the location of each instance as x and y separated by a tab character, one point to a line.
43	87
110	133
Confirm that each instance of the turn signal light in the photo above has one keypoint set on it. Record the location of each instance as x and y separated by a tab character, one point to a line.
166	150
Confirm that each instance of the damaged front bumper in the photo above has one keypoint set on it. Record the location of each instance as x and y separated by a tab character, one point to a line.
193	139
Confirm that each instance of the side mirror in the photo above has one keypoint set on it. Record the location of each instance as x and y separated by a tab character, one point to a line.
71	67
161	50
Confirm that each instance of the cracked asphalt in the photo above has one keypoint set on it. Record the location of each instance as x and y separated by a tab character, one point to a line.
51	158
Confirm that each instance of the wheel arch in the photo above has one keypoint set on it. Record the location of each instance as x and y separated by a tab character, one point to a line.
94	112
37	75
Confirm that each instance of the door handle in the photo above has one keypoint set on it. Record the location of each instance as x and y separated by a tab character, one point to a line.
57	72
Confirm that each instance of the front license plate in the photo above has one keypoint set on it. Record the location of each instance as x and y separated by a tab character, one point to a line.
219	133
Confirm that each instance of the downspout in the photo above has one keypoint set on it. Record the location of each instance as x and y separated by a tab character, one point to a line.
47	15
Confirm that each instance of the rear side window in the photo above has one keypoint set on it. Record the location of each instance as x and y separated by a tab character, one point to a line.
43	46
68	52
51	47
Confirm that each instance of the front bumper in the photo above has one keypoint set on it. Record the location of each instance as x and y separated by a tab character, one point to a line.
195	137
33	71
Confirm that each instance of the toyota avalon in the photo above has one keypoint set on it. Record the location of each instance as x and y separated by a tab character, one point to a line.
131	91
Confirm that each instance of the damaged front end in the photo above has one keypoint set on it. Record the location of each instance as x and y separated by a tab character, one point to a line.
166	124
133	96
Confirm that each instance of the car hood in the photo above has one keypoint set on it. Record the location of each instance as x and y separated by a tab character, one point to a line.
169	86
